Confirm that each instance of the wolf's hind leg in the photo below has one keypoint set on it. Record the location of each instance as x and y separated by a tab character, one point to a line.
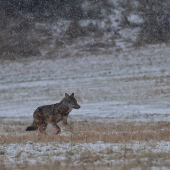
35	124
39	121
43	127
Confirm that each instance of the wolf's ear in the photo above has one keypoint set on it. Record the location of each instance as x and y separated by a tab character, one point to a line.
72	95
66	96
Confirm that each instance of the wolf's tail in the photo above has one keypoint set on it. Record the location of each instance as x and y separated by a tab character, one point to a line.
30	128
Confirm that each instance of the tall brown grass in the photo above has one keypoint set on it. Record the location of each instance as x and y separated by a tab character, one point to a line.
125	158
88	132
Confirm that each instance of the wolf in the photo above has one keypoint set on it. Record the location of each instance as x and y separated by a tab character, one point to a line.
54	114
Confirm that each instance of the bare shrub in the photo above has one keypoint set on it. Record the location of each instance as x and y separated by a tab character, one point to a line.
75	30
18	33
14	37
156	21
68	9
155	14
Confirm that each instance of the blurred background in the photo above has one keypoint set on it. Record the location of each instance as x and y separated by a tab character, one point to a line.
113	54
44	28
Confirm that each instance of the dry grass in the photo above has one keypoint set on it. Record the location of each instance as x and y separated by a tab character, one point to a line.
126	157
145	161
14	132
124	160
125	165
54	166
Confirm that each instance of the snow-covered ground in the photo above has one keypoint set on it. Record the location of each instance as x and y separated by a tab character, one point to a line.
42	153
131	84
125	85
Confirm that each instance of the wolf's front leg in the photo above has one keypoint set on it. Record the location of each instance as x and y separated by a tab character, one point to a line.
64	121
56	127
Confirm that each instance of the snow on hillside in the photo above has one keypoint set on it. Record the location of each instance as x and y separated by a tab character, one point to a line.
131	83
127	85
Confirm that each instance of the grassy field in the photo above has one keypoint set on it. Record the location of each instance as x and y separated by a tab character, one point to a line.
88	132
123	122
108	146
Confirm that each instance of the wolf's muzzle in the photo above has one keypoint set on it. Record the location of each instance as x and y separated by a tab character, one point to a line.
77	107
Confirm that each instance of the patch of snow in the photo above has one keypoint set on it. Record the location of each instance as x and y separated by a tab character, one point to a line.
46	153
135	19
130	85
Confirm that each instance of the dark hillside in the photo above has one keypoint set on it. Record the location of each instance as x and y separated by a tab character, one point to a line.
30	28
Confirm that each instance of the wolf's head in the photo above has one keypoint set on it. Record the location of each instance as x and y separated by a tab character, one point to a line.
72	101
